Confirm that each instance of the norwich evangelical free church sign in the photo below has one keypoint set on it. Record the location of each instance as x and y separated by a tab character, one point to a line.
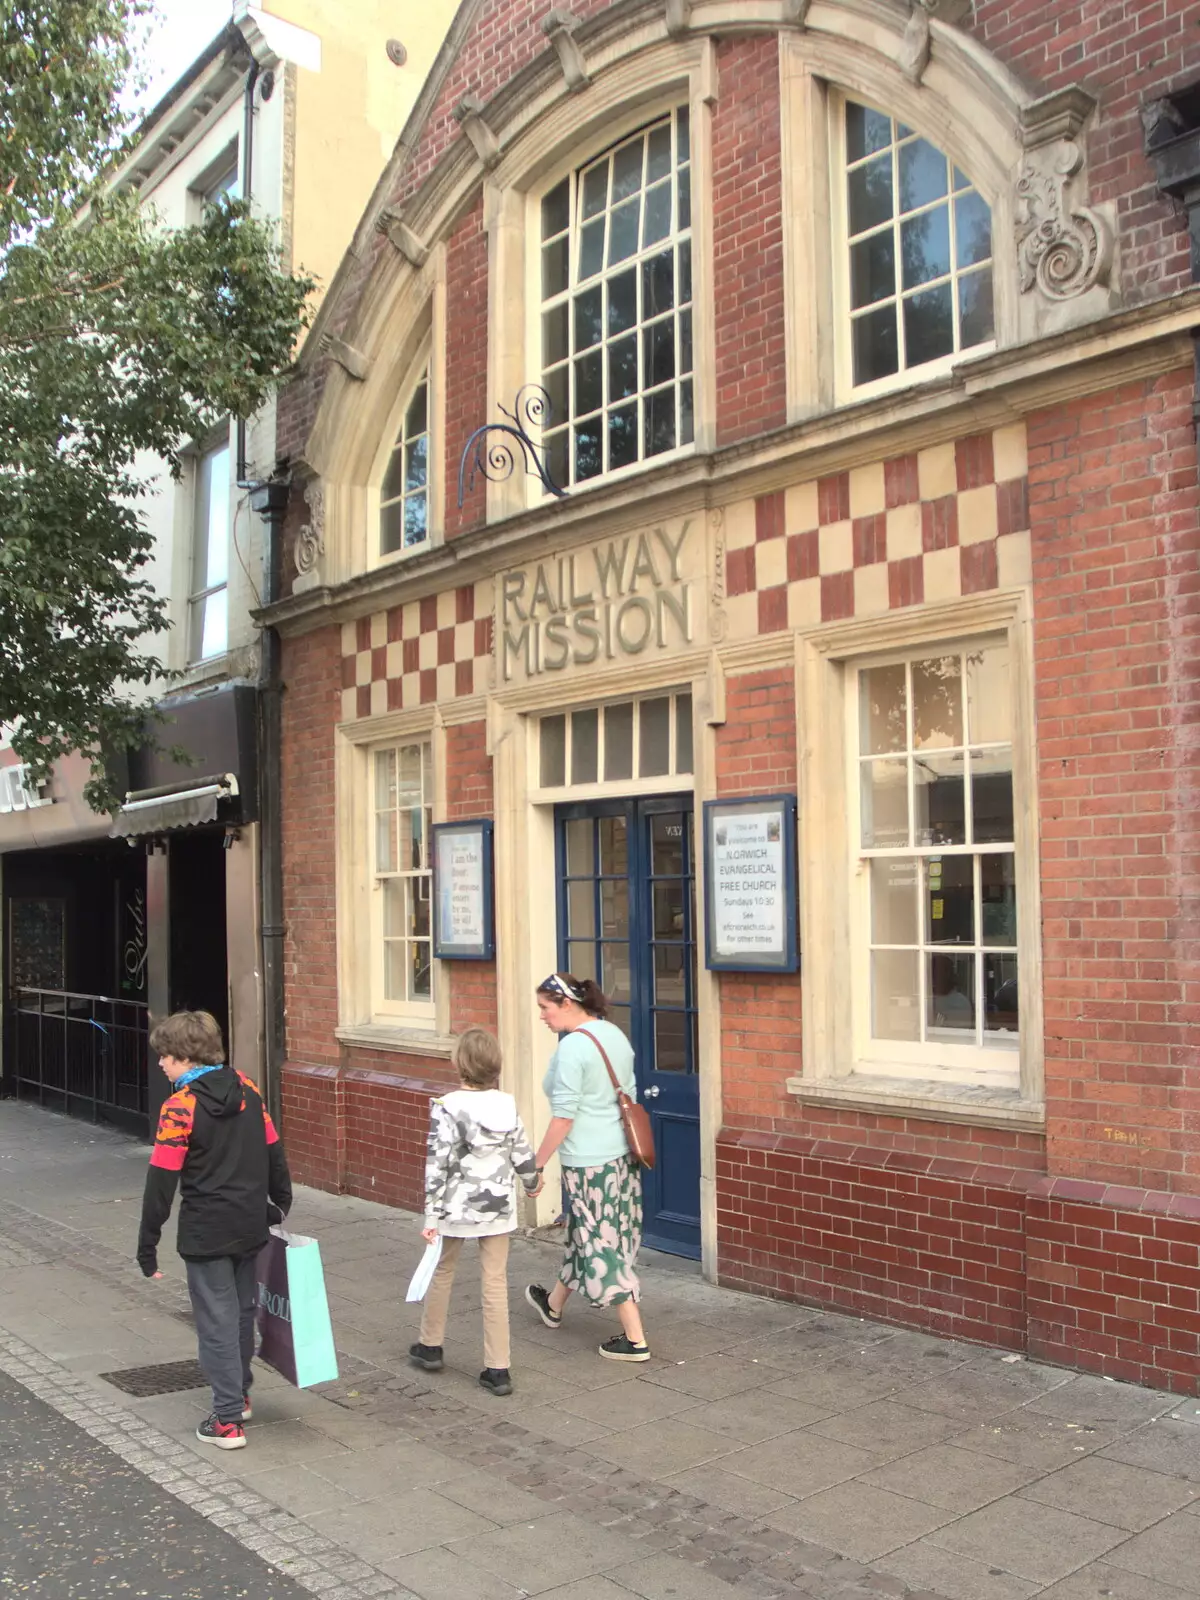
628	597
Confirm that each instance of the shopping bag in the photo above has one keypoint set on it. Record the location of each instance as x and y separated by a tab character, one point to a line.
426	1267
293	1313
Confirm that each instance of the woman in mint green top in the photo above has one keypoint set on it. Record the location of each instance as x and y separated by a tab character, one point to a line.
603	1184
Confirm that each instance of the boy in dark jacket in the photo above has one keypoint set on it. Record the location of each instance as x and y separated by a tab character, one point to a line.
214	1134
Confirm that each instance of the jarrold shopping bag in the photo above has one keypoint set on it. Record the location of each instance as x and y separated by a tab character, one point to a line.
293	1313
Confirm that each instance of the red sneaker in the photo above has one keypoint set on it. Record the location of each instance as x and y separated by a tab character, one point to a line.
225	1435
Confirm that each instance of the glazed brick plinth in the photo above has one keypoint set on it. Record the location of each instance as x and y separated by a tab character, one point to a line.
1091	1275
355	1130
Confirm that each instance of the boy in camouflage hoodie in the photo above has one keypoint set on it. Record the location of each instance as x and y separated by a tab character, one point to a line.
476	1145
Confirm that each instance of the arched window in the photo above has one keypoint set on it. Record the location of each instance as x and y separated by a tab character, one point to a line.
616	312
917	249
404	492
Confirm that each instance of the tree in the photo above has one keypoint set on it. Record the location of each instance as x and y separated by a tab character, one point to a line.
116	337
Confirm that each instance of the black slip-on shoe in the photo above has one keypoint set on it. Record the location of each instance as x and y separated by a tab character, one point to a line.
539	1299
621	1348
496	1380
426	1356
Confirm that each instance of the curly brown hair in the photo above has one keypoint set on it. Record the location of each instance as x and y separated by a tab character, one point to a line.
193	1036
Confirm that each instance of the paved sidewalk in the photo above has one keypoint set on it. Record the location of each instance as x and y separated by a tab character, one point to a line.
766	1450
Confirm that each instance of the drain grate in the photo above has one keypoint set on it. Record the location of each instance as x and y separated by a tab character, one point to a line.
168	1377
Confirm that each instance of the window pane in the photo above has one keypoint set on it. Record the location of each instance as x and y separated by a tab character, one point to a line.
395	970
666	849
623	231
686	428
683	733
591	249
658	284
397	911
618	741
422	969
391	528
587	319
894	902
977	323
992	795
998	888
410	790
584	729
883	709
215	631
660	422
895	998
595	189
656	223
972	230
940	800
925	246
556	209
556	267
416	520
386	853
685	341
1002	1015
951	982
622	367
873	269
614	908
654	741
582	959
587	450
589	379
866	131
581	909
558	447
671	1029
554	335
418	408
950	903
669	961
937	703
870	192
989	694
385	779
627	169
581	857
876	351
393	479
884	804
614	965
623	436
929	326
923	176
556	383
658	160
622	301
614	846
658	353
552	737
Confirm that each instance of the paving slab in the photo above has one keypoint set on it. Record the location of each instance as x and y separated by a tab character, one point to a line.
1101	1403
666	1577
548	1553
384	1530
730	1492
952	1479
927	1566
887	1426
859	1520
1032	1541
1102	1581
1163	1446
1031	1439
439	1574
754	1416
1125	1497
709	1377
1168	1553
800	1463
659	1449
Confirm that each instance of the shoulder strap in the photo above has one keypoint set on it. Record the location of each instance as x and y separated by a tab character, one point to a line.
604	1057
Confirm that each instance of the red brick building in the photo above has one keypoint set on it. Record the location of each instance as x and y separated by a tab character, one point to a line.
864	333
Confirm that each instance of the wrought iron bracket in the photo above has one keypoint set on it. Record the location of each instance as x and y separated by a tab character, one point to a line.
489	454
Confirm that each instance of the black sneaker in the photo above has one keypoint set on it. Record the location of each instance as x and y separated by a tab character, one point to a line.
539	1299
496	1379
621	1348
225	1435
428	1356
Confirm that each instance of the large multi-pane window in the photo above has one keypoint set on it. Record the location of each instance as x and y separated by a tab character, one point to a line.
919	249
208	602
404	495
403	810
936	845
616	288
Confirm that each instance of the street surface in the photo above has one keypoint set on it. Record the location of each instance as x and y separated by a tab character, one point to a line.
767	1449
77	1523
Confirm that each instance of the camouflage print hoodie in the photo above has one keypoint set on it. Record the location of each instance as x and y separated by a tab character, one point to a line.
476	1144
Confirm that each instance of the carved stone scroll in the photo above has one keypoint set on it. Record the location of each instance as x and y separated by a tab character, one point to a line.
468	113
410	245
1063	248
310	541
559	27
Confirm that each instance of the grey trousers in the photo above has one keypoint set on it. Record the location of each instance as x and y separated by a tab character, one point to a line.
223	1291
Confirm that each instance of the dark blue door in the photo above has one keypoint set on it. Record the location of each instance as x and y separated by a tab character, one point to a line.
627	918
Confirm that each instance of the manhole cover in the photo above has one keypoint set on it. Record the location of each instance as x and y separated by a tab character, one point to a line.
168	1377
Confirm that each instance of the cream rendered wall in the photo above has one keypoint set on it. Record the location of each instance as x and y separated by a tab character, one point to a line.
350	114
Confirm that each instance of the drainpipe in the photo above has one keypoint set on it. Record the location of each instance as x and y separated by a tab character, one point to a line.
247	183
1172	138
270	501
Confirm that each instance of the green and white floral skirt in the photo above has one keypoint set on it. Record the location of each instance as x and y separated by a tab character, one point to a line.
604	1231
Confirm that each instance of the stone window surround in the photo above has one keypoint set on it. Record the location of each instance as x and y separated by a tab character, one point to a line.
831	1073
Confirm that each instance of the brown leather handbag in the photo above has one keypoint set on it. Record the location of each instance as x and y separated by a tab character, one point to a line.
635	1119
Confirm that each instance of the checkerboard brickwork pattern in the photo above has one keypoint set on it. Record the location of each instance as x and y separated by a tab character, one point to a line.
933	525
429	650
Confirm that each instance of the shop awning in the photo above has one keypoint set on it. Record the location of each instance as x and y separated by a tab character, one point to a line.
151	811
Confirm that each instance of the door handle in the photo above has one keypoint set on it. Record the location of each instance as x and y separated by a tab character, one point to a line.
651	1094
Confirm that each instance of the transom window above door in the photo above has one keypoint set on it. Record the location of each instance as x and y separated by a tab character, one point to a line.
625	743
918	241
616	290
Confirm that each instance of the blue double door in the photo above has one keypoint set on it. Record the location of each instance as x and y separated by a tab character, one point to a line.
627	918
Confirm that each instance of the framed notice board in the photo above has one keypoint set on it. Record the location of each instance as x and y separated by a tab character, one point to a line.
750	901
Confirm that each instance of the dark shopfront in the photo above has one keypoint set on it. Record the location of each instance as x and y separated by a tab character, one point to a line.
103	934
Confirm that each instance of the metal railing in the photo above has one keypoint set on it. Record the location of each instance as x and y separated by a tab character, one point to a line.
81	1053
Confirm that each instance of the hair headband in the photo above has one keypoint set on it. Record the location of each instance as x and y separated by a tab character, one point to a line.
561	986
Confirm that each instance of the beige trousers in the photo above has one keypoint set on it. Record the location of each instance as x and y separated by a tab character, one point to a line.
493	1272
